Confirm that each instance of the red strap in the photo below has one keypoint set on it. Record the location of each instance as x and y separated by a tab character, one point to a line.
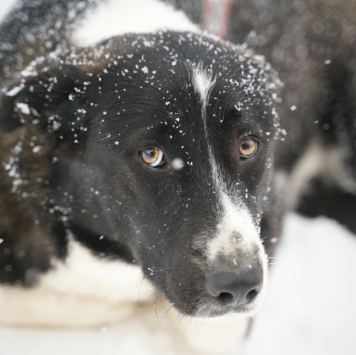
216	16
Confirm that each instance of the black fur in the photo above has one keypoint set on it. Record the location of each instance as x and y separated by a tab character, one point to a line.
33	28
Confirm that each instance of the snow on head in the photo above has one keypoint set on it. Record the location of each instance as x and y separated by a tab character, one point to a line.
14	91
29	71
23	108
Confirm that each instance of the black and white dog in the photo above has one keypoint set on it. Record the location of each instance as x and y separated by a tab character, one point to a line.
162	154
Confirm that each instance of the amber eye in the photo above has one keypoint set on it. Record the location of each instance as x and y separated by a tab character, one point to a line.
152	156
248	148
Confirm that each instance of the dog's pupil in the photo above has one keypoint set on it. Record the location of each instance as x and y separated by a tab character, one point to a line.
150	153
247	145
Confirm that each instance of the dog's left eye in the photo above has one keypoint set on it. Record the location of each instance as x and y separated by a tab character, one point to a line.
248	148
152	156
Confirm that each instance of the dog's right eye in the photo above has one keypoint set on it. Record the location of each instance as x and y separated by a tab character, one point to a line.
248	148
152	156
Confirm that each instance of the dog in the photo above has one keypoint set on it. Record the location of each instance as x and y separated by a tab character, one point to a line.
124	160
170	154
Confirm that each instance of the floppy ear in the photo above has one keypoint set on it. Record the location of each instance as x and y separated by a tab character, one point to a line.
50	103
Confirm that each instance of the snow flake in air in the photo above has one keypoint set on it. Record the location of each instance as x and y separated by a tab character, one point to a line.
177	163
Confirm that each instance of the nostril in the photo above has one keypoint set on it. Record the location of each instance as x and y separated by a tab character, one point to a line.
225	298
252	295
233	289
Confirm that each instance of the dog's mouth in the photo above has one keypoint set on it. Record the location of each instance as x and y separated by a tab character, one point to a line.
239	299
215	273
213	311
202	292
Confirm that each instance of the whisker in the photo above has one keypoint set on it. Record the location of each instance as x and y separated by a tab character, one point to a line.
164	313
155	304
128	284
179	319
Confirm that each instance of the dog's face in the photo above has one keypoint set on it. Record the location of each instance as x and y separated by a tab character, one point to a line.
163	151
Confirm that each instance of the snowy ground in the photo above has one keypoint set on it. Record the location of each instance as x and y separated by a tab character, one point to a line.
310	307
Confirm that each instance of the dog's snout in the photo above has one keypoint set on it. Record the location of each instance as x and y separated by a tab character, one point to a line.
231	289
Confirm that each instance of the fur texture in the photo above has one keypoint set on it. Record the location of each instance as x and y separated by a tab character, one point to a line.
76	122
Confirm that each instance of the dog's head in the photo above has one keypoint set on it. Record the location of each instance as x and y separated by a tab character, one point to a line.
162	154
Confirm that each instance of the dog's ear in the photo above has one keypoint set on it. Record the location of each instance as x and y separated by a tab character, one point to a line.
49	103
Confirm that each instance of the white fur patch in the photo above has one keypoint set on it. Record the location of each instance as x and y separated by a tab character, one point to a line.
318	160
115	17
237	236
239	242
235	231
203	83
215	335
85	274
83	290
235	218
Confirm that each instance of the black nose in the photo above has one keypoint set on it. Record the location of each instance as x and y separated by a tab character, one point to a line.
234	289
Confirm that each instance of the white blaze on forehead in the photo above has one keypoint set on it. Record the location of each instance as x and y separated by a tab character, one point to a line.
237	242
235	219
237	235
203	82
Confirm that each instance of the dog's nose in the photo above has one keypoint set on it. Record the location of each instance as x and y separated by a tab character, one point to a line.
234	289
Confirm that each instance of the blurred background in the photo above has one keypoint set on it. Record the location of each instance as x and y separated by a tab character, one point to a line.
310	307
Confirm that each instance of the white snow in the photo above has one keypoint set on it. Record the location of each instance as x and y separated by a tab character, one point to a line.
29	71
177	163
37	149
15	90
24	108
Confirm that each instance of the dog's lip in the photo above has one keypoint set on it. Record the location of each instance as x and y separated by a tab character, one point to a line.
218	311
236	309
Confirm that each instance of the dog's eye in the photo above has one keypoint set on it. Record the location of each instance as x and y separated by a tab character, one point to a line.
152	156
248	148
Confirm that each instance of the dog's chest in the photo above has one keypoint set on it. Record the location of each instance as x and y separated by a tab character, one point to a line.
116	17
82	290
